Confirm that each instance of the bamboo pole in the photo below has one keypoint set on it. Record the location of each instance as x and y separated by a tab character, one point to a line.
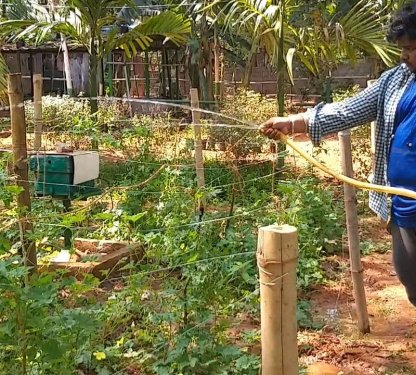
199	156
18	125
353	236
277	254
37	100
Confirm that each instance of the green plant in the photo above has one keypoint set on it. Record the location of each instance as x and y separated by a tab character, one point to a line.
317	217
40	333
305	316
173	310
248	107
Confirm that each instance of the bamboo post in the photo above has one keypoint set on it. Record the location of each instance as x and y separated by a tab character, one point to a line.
199	156
277	254
18	125
37	100
353	236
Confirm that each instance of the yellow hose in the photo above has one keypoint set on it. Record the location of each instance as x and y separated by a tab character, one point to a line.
358	184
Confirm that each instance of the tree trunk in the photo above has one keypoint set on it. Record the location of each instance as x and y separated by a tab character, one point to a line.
281	81
93	67
280	67
93	81
250	64
217	72
67	67
205	66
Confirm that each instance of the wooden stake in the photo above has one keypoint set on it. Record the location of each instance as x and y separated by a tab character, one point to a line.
199	156
277	254
353	236
20	165
37	100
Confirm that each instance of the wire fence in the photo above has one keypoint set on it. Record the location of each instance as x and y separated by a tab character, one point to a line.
248	161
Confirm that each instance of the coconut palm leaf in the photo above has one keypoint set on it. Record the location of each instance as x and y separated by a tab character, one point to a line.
322	45
173	27
362	29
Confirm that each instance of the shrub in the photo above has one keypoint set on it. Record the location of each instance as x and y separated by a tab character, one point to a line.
62	113
246	108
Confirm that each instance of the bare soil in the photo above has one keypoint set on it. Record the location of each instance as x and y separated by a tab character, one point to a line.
339	347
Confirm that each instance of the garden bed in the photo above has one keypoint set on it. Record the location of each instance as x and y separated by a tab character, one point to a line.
98	257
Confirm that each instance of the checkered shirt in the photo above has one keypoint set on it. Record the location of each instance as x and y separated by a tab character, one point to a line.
376	103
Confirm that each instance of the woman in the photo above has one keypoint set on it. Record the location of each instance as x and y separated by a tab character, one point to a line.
391	102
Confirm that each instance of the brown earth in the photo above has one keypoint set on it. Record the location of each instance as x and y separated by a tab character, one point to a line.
339	347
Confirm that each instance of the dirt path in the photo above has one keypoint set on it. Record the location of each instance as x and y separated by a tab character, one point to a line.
388	349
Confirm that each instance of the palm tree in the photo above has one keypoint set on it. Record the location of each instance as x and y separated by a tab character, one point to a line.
283	34
329	39
84	23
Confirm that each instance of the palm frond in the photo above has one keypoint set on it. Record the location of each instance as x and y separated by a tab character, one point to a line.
363	30
173	27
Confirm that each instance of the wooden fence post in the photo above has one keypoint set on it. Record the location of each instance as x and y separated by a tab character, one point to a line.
199	156
20	165
37	100
353	236
277	254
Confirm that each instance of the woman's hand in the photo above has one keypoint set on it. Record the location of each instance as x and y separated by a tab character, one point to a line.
276	126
